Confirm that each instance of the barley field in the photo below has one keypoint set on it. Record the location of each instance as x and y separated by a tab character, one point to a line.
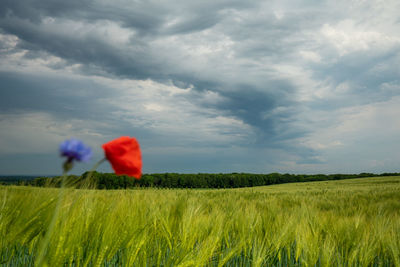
332	223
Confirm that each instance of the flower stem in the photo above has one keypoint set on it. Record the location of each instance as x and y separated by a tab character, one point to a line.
50	229
46	240
88	178
97	164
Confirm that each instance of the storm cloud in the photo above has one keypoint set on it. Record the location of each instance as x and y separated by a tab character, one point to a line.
206	86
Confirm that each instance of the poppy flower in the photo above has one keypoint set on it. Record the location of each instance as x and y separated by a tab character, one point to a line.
124	155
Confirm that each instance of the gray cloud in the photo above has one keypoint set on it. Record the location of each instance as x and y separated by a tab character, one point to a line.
257	73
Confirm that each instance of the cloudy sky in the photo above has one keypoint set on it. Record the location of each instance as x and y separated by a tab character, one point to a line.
299	86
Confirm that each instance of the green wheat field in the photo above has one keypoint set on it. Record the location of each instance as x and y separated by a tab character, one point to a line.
331	223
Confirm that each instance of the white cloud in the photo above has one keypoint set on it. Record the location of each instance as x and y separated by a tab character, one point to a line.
8	42
40	133
310	56
358	135
168	110
105	30
347	37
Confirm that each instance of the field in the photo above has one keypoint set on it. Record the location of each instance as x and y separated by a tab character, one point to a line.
334	223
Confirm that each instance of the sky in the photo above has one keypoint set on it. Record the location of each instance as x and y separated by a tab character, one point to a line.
298	86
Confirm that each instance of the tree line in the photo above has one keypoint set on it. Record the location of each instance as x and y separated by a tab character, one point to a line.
201	180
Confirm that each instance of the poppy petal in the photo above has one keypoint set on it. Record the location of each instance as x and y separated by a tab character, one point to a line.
124	155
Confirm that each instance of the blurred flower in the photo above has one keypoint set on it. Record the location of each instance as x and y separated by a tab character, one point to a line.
124	155
75	149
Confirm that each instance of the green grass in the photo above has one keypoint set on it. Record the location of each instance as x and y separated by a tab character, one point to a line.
334	223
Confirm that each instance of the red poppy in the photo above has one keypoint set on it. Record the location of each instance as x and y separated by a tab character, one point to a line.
124	156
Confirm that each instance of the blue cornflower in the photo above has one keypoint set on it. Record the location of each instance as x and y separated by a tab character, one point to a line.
75	149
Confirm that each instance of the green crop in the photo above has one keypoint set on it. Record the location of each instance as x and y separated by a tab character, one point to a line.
333	223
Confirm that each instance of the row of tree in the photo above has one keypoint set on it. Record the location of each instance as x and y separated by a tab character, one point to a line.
14	179
200	180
